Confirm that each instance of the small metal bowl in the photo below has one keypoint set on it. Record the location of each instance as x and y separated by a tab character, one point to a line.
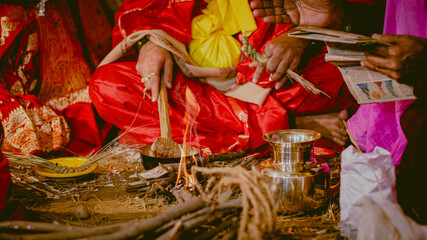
150	161
291	148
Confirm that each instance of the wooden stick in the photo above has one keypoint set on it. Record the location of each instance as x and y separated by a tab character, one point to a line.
231	222
173	233
352	140
163	105
149	224
225	156
37	226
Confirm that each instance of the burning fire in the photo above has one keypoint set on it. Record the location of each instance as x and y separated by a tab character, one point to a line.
192	109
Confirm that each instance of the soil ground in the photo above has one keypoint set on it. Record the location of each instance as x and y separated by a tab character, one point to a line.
105	196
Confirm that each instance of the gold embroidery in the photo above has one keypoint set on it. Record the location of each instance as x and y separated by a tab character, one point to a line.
64	67
17	88
11	21
37	129
6	28
59	103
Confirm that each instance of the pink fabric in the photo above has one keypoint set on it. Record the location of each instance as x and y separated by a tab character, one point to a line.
379	124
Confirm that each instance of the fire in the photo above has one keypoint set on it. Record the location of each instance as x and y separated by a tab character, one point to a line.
192	109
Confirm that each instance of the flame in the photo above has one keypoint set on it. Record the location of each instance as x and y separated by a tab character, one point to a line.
192	109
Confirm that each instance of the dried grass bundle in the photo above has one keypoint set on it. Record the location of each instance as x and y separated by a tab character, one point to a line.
252	54
33	160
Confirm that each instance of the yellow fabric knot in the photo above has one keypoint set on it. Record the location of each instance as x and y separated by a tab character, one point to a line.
213	44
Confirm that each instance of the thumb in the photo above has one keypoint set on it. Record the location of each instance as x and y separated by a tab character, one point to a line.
343	115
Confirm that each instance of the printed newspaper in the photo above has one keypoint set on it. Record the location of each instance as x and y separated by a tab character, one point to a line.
346	50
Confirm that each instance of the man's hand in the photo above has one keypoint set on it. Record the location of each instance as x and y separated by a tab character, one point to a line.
153	61
404	60
320	13
284	52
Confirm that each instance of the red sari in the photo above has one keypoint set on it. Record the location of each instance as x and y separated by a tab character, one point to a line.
224	123
44	101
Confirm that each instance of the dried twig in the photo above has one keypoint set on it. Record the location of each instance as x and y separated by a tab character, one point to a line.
255	208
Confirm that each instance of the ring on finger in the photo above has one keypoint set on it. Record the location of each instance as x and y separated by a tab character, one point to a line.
144	79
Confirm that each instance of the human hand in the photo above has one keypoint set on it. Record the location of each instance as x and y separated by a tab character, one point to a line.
284	53
404	60
320	13
152	61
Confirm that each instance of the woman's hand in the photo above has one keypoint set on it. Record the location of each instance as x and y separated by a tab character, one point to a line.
284	52
404	60
154	61
320	13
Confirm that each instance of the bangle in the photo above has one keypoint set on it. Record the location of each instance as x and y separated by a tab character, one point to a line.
138	45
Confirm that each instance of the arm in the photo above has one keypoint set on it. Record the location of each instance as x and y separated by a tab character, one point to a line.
172	18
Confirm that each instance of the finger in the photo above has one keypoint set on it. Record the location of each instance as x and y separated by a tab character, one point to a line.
258	72
281	68
279	11
275	60
258	12
279	3
155	88
168	72
339	141
381	62
285	19
339	136
387	38
268	3
388	72
276	19
256	4
294	63
280	83
253	64
148	85
343	115
269	12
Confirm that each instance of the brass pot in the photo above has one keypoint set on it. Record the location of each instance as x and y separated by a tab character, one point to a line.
298	191
291	148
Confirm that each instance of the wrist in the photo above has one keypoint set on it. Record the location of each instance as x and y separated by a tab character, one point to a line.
138	45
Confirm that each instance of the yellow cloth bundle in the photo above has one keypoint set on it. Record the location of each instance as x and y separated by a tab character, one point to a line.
213	44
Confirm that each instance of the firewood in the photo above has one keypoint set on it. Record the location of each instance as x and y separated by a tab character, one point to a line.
115	231
36	226
238	161
229	223
173	233
225	156
254	209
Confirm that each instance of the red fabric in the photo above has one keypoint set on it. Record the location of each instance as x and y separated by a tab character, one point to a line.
148	14
87	130
43	92
4	180
223	124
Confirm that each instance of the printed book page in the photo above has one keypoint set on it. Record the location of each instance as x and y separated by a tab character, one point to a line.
372	87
